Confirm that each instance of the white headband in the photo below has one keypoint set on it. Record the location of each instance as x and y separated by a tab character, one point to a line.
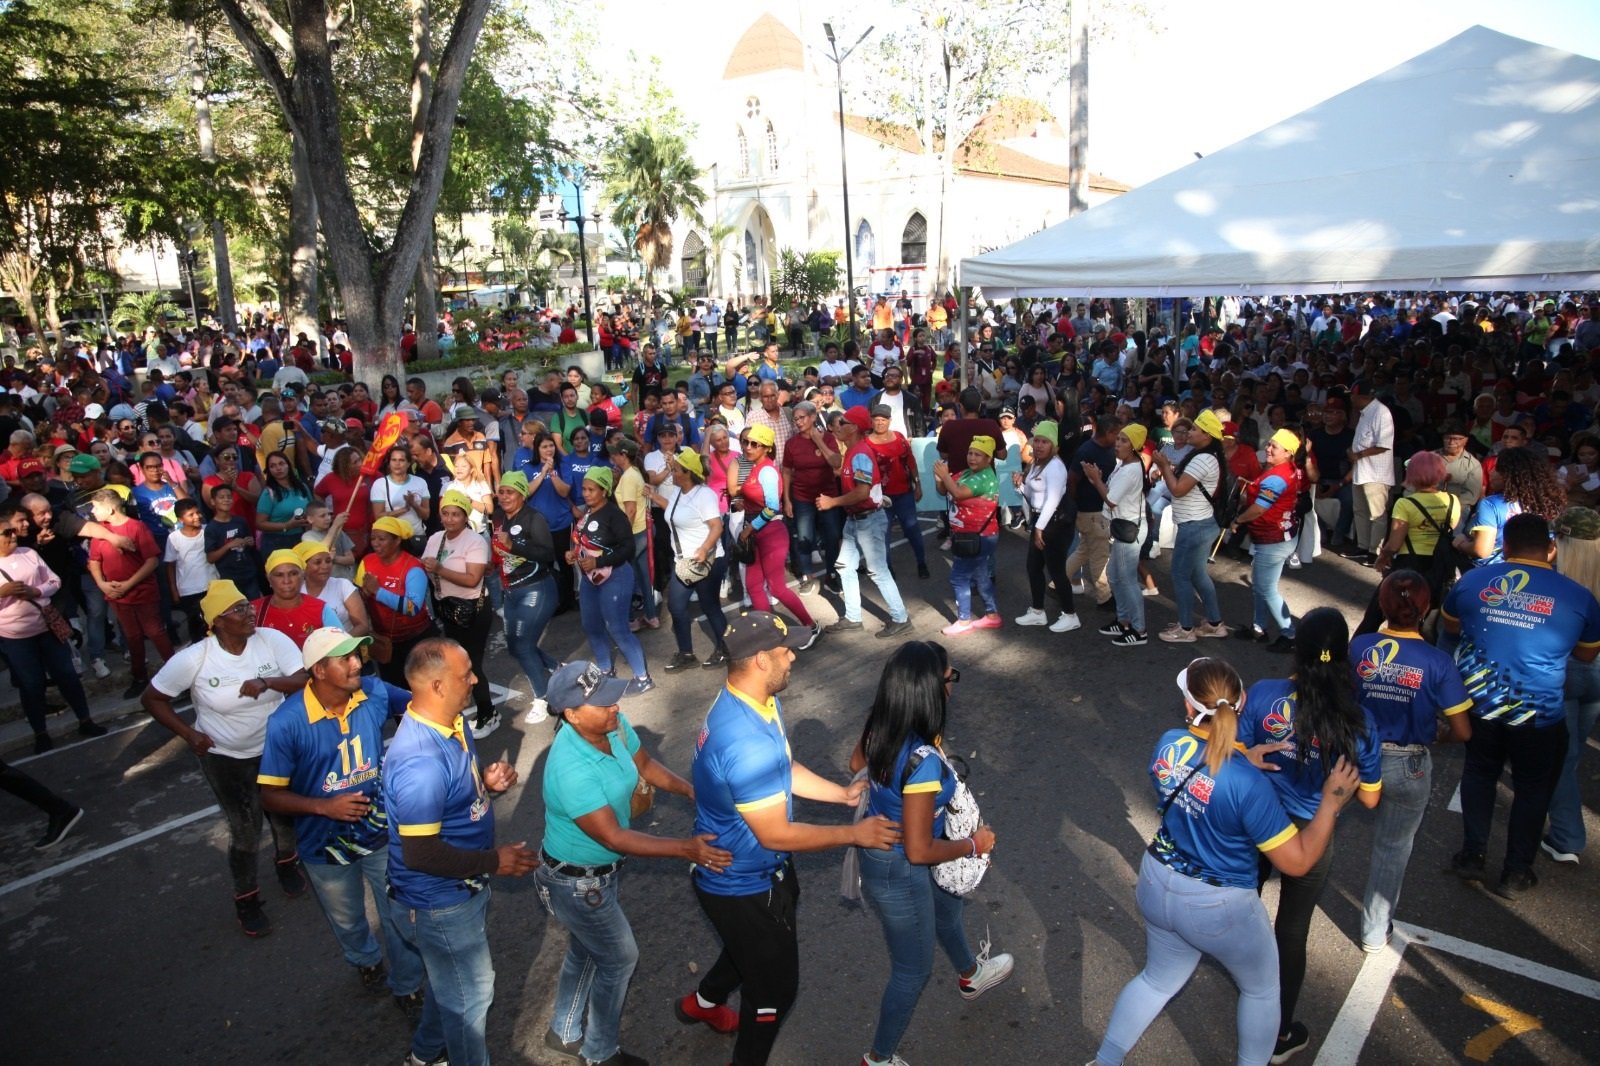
1201	711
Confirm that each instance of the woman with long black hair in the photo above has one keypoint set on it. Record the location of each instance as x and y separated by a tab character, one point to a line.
1304	724
1522	481
389	397
910	782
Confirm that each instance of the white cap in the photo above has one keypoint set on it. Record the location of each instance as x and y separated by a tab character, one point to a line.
327	642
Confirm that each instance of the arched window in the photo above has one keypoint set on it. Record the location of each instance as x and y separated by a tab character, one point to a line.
750	266
772	149
693	263
744	154
914	240
866	246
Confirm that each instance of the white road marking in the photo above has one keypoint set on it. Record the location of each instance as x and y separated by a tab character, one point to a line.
110	849
1455	800
1500	960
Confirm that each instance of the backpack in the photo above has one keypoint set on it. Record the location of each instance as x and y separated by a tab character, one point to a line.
1224	503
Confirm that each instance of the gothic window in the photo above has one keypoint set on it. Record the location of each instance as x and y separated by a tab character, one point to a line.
772	149
750	274
866	247
744	154
914	240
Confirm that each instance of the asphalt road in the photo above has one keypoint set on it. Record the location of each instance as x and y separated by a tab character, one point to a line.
133	955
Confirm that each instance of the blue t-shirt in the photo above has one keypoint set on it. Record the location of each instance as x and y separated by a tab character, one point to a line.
1519	622
1268	717
578	780
1404	683
157	509
545	499
1493	512
315	754
854	397
574	468
742	762
1216	828
929	776
432	787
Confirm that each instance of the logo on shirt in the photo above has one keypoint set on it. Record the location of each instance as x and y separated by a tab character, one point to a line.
1279	722
1506	591
1171	758
1378	665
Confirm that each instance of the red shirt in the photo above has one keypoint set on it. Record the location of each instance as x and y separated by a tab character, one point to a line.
117	565
296	623
808	471
339	493
244	508
387	621
1243	464
894	464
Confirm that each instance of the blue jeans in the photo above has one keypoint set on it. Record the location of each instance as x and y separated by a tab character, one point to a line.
31	659
1184	919
815	530
1583	709
641	569
604	610
528	610
601	956
709	592
864	539
1189	574
454	943
903	507
915	913
1265	570
1407	783
1123	572
94	618
979	568
338	889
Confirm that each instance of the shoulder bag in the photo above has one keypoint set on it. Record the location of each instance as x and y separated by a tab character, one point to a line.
54	621
458	611
688	570
959	876
970	545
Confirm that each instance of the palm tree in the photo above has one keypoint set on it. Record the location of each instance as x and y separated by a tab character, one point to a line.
623	243
144	310
716	244
650	182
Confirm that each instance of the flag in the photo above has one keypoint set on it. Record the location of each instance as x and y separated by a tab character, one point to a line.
389	430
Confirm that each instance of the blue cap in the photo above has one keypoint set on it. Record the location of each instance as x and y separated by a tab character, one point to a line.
582	682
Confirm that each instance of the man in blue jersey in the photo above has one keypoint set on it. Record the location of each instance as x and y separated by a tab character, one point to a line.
745	783
320	765
1519	621
442	851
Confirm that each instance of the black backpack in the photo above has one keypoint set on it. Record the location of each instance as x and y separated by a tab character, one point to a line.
1224	503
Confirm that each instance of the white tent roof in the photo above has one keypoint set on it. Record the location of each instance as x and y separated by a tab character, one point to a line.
1473	166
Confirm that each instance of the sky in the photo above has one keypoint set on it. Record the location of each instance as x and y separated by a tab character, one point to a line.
1213	72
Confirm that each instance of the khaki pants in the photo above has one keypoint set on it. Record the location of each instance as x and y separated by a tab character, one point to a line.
1372	516
1094	552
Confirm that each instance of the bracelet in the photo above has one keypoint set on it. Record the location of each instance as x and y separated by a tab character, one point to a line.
974	842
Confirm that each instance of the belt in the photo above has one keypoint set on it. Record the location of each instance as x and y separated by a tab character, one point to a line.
856	516
1166	860
1406	749
579	871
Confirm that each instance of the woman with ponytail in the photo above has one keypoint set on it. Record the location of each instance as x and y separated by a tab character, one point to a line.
1197	881
1415	695
1298	727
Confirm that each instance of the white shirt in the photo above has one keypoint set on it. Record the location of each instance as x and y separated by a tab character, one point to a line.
287	375
1125	492
654	463
883	357
897	411
711	319
392	495
690	515
194	572
336	594
1374	429
236	724
837	369
1193	506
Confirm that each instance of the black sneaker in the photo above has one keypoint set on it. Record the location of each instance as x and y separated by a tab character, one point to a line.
57	828
639	686
1108	605
441	1059
485	724
1469	866
1111	629
681	661
1291	1044
1282	646
843	625
291	878
252	918
90	728
1250	633
42	743
410	1005
372	977
569	1052
717	659
922	570
1516	883
134	690
816	632
893	629
1130	638
807	585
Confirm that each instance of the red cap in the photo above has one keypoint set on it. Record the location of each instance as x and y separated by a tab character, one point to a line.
355	423
1230	429
858	417
28	466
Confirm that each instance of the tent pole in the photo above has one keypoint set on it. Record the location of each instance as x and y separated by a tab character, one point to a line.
963	301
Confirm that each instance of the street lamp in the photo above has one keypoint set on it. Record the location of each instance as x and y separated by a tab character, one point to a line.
844	172
583	251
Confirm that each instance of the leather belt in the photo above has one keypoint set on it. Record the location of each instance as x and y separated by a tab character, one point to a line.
579	871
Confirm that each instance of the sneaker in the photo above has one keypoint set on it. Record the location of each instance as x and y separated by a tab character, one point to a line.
893	1060
538	711
1514	884
893	629
1079	588
716	659
372	977
960	627
1250	633
252	918
1469	866
720	1017
1373	949
816	632
843	625
1292	1043
1282	646
1033	617
134	690
652	623
57	828
1065	624
807	585
101	670
42	743
291	878
1110	629
1149	590
1211	629
483	726
1131	638
680	661
566	1050
922	570
1556	853
410	1005
1107	604
441	1059
989	973
639	686
619	1058
1178	635
988	621
90	728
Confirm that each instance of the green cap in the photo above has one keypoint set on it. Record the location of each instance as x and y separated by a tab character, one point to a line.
1049	431
515	479
83	464
602	476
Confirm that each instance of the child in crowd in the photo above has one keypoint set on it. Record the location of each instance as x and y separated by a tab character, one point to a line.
189	572
231	547
327	528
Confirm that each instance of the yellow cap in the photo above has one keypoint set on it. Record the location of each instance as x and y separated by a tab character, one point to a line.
308	550
284	557
761	435
1286	440
1136	434
220	595
982	444
1209	424
690	460
396	527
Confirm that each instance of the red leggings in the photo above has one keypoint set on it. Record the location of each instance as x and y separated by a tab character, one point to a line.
138	621
772	552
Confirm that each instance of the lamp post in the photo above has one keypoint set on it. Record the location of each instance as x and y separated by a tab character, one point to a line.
844	171
583	251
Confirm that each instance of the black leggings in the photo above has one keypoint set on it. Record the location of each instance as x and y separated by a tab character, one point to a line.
1051	561
475	638
760	957
27	789
233	781
1297	901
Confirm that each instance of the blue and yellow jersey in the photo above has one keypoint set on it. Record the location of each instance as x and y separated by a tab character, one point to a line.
928	776
1269	717
1519	622
1214	830
315	753
742	762
1405	684
432	787
579	779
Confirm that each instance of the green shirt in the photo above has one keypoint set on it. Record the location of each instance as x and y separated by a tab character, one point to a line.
579	780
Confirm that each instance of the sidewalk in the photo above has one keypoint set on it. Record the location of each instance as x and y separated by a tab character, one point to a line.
105	704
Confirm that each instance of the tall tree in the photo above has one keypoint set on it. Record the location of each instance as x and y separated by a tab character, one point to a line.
425	306
650	182
195	52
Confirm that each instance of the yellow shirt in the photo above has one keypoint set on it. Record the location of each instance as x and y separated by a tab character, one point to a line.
630	486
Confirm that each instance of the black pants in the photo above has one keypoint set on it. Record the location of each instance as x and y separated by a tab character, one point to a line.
233	781
760	957
474	636
1051	562
566	586
27	789
1297	901
394	671
1536	757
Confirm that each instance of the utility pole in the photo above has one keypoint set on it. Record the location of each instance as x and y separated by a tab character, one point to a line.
844	170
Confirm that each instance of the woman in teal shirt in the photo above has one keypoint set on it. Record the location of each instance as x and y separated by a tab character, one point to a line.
281	509
590	776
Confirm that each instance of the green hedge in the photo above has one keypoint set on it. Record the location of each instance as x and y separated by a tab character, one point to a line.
518	357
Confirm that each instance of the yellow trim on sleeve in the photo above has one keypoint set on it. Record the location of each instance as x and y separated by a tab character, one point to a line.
1376	786
1589	643
279	782
1446	614
432	829
1279	840
761	804
922	786
1460	708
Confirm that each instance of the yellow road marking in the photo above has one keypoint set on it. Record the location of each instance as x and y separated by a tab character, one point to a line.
1513	1023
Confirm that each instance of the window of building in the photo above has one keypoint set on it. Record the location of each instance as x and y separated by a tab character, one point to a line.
914	240
866	246
743	148
750	259
772	149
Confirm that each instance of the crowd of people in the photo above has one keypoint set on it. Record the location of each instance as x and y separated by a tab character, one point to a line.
328	583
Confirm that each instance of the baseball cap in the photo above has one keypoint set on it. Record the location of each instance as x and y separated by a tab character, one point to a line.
355	423
1230	430
83	464
858	417
93	411
757	631
690	460
882	410
581	682
29	466
328	643
1208	423
762	435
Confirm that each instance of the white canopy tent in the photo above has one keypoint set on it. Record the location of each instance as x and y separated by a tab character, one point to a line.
1473	166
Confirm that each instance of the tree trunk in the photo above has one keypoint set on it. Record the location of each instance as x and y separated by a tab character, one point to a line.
221	265
301	305
1078	82
19	274
52	312
426	302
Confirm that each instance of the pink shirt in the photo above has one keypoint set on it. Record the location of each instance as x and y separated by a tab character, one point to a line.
19	618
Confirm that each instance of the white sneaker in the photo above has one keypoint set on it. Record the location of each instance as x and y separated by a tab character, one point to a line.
989	973
1148	591
77	664
1065	624
538	711
1034	617
1294	562
892	1060
483	728
101	670
1079	588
